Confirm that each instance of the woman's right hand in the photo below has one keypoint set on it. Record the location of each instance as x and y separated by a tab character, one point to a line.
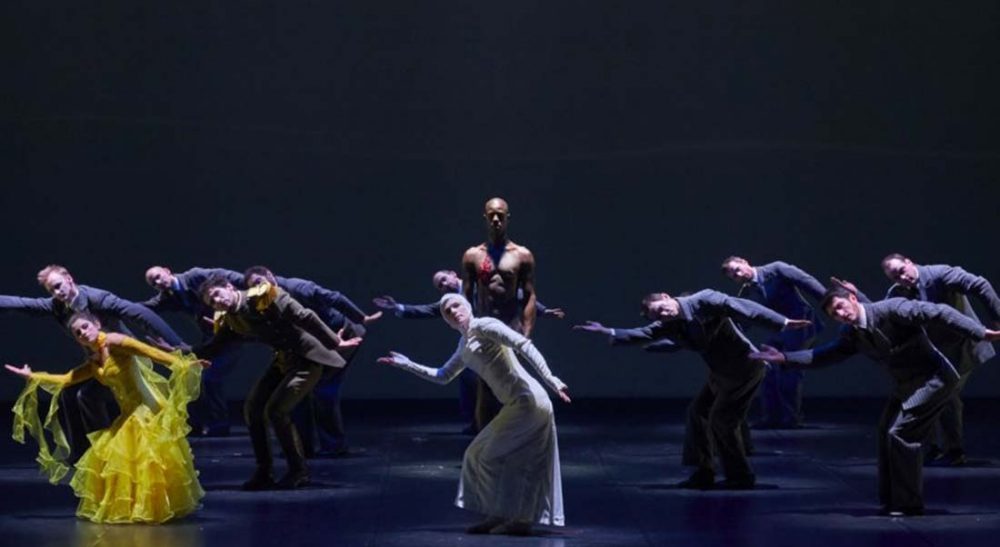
24	371
394	358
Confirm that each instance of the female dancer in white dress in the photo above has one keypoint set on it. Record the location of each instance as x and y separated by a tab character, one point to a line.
510	471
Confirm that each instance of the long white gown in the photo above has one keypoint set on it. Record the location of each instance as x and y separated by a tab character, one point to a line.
511	469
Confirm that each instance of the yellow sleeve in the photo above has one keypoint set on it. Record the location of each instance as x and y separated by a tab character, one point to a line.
75	376
170	360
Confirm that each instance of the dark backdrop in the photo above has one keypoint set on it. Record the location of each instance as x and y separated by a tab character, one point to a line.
638	144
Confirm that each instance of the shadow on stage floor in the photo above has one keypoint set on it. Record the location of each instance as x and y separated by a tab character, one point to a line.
621	461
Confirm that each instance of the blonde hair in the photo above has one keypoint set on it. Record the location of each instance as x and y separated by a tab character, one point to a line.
45	272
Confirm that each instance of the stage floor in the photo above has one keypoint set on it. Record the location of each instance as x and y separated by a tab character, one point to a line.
620	460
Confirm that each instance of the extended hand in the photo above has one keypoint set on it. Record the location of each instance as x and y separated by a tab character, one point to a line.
793	324
24	371
564	395
593	326
205	363
394	358
558	313
767	353
372	318
350	342
157	341
992	335
385	302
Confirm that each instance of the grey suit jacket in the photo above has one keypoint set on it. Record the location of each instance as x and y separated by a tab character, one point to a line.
943	284
114	312
269	315
896	336
706	325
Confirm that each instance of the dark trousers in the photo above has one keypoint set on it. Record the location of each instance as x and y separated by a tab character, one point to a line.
781	396
906	421
84	408
211	410
283	386
320	417
950	429
714	425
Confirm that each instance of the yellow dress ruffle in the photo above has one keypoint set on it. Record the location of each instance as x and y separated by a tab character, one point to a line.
141	468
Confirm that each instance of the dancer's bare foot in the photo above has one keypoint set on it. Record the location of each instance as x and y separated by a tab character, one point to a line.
485	526
512	528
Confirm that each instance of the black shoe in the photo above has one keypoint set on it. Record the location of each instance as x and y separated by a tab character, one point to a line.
915	511
933	456
293	479
954	458
702	479
261	480
738	483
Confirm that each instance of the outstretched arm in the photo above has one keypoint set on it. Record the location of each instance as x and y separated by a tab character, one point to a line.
29	306
748	310
139	315
75	376
803	281
977	286
502	334
442	375
832	352
167	359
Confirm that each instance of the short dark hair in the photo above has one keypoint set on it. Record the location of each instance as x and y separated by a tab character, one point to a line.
648	300
216	280
729	259
834	292
892	256
82	315
261	271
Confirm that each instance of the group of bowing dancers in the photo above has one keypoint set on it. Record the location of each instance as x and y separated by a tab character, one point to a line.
138	467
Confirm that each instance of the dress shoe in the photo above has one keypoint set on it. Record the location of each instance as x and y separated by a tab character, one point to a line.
737	483
261	480
293	478
702	479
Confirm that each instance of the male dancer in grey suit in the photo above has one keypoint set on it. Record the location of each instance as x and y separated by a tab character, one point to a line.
894	332
448	281
303	347
706	322
84	407
783	288
943	284
178	292
321	417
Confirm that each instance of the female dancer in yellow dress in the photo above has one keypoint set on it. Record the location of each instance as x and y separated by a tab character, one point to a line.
141	468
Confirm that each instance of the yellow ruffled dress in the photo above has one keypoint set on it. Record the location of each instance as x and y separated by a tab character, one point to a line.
140	469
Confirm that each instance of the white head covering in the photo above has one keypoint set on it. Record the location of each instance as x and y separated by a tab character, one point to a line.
446	301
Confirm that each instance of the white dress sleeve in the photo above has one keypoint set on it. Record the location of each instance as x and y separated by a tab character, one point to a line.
446	373
495	330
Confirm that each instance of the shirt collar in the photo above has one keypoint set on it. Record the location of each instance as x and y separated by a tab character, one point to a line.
862	317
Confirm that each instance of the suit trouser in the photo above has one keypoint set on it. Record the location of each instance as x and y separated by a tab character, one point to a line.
905	423
212	410
321	417
950	427
713	427
271	400
84	408
781	396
